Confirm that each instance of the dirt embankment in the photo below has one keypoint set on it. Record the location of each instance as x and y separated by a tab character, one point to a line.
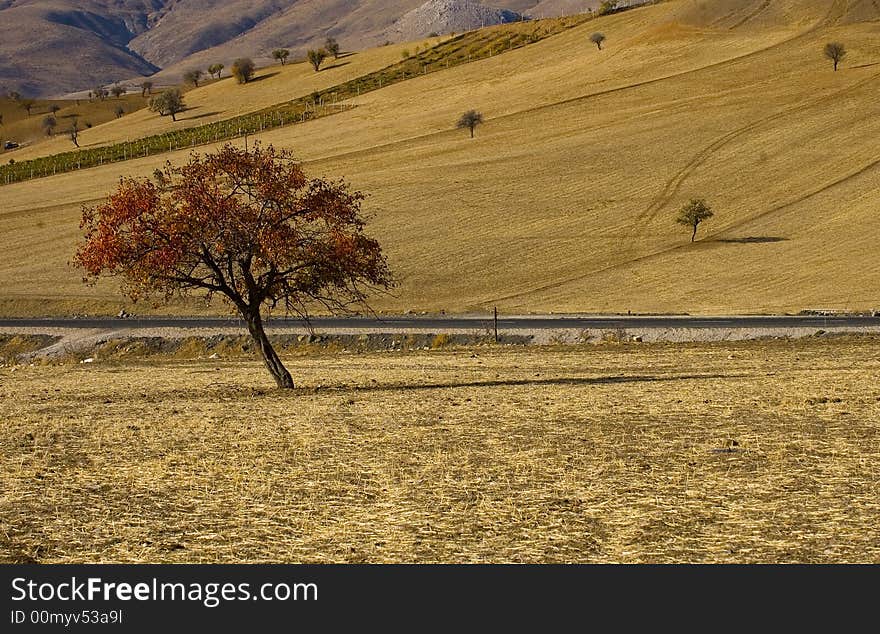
90	346
69	345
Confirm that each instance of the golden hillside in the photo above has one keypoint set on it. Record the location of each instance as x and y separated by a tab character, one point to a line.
565	200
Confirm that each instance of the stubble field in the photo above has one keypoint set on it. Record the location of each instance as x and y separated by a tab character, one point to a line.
748	452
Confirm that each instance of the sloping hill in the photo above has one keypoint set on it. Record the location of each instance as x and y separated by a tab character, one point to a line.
62	46
53	47
566	198
224	99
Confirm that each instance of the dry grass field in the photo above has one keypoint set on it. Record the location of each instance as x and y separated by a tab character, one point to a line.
565	200
28	130
750	452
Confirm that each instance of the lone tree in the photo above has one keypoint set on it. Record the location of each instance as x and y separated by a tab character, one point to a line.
73	132
694	213
49	123
169	102
316	58
119	112
54	108
835	51
146	88
216	69
597	39
470	120
193	77
100	93
332	47
249	227
117	91
281	54
243	69
28	105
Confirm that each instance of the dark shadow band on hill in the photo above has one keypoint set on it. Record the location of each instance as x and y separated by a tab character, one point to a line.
336	65
752	240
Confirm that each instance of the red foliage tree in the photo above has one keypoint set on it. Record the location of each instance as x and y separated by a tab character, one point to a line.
247	226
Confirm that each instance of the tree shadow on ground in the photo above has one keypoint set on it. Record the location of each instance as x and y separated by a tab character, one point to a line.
562	381
199	116
752	240
224	390
337	65
262	77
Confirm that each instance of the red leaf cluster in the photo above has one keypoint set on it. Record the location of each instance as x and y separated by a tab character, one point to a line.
248	225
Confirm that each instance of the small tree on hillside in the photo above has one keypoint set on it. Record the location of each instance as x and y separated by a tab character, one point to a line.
835	51
73	132
249	227
193	77
169	102
281	54
117	90
27	104
146	88
597	39
332	47
470	120
693	214
243	69
316	58
54	108
49	123
119	112
15	96
100	93
216	70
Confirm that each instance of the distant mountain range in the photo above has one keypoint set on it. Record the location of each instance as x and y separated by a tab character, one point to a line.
52	47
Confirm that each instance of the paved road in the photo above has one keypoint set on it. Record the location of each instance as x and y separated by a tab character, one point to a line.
441	323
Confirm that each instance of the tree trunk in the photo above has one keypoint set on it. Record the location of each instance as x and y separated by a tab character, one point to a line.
694	237
270	357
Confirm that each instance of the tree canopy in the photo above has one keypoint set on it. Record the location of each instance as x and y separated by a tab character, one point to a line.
470	120
193	77
249	227
168	102
693	214
316	58
835	51
243	69
332	47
